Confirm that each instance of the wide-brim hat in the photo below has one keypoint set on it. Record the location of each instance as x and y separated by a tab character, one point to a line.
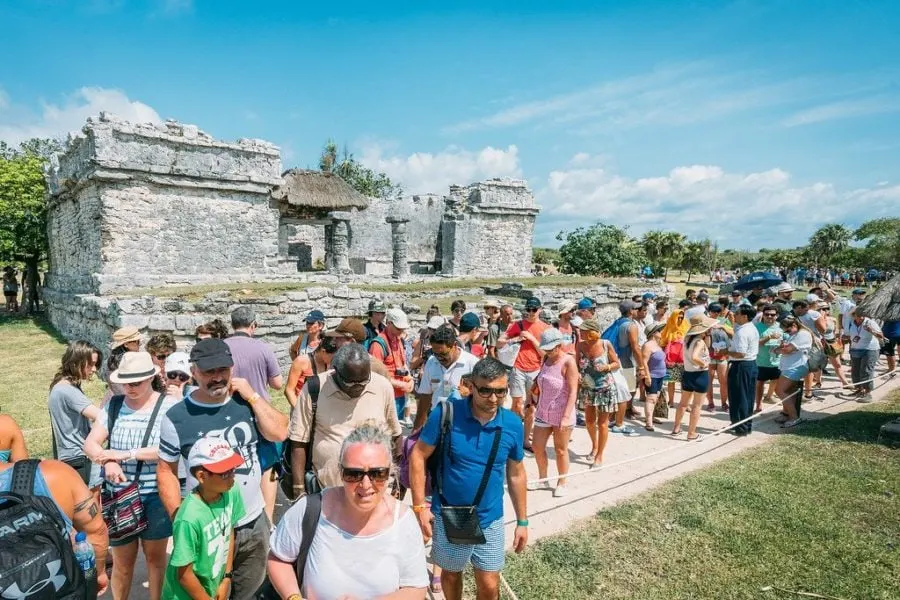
567	307
550	339
135	367
701	324
653	328
124	335
590	325
349	328
491	304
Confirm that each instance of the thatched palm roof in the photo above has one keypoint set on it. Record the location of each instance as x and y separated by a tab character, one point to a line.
883	303
318	190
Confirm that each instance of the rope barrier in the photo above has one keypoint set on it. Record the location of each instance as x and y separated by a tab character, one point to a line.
890	374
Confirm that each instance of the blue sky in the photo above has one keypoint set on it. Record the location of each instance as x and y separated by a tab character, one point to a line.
748	122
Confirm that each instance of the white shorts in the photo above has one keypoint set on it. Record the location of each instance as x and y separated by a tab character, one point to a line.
630	379
521	381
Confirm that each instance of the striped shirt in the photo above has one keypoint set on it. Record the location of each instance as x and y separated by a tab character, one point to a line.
128	433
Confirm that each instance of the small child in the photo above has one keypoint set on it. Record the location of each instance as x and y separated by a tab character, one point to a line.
203	531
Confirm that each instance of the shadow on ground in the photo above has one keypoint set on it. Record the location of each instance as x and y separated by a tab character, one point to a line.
39	320
860	426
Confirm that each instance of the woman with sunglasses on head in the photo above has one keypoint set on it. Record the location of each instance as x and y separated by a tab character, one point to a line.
136	417
71	412
178	375
366	543
160	346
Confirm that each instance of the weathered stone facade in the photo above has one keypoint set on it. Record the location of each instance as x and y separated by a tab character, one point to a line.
143	205
281	316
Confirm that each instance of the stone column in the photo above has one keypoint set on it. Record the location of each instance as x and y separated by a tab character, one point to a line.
339	261
400	244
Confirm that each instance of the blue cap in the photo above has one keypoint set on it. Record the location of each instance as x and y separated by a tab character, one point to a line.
469	322
533	302
859	292
585	303
315	316
649	296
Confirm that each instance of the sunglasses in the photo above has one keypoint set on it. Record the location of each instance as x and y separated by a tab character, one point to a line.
162	356
182	377
376	475
459	311
770	314
348	383
489	391
532	310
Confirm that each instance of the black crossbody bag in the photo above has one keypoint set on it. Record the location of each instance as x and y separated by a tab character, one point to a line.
461	522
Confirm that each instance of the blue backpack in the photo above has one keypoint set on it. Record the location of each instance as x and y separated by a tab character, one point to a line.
368	343
611	335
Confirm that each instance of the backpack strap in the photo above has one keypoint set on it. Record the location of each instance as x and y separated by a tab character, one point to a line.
443	444
23	476
112	412
313	386
147	433
488	467
308	532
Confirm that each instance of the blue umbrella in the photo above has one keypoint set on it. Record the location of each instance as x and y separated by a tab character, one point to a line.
759	279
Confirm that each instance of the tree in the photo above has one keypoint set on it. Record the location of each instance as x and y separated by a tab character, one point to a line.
663	249
697	257
545	256
23	208
600	249
827	241
882	238
364	180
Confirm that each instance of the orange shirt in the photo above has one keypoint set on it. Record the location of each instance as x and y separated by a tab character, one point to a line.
396	358
529	359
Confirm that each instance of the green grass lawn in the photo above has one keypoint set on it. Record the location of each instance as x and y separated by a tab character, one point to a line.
815	511
30	353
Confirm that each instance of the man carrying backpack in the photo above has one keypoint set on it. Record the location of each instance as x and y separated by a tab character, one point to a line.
37	531
624	336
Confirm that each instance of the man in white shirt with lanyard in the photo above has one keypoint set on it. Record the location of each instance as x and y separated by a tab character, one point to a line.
443	371
742	369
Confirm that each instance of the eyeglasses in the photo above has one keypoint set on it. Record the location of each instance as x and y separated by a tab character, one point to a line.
182	377
486	392
459	311
376	475
348	383
162	356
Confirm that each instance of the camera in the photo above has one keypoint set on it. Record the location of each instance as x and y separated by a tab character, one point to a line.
402	372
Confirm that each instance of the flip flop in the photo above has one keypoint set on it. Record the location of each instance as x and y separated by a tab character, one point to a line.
693	439
649	428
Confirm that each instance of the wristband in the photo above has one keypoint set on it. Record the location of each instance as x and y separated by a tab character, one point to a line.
295	597
522	523
417	508
252	400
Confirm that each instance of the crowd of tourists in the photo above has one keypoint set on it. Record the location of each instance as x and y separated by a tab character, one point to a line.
183	458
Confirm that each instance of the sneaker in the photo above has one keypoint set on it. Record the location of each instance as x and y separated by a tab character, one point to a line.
534	486
406	422
579	419
624	430
864	398
559	491
792	423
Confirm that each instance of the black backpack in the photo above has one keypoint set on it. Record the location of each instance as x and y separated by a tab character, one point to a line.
308	530
37	561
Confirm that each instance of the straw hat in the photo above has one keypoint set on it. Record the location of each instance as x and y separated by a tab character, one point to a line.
701	324
123	336
135	367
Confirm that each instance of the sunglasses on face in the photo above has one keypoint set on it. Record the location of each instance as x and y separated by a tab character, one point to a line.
182	377
531	310
348	383
459	311
162	356
486	392
769	315
376	475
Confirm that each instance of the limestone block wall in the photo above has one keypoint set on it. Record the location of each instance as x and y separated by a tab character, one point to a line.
281	316
169	204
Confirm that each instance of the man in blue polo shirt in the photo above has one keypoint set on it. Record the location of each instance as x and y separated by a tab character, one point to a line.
477	420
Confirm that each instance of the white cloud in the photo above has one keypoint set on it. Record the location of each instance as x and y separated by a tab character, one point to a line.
57	120
424	172
741	210
845	109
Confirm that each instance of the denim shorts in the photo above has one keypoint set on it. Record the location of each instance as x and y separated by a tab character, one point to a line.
656	384
695	381
796	374
159	527
490	556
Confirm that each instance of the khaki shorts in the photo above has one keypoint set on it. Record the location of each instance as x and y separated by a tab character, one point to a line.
630	379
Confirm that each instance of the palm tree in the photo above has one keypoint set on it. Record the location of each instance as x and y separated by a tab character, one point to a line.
828	241
663	249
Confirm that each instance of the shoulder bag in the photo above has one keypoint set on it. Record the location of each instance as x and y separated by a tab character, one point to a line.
123	511
311	483
308	527
461	522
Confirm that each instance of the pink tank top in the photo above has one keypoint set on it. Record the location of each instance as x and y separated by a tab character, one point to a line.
554	396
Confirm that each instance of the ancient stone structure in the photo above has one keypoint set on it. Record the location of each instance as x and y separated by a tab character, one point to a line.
143	205
399	243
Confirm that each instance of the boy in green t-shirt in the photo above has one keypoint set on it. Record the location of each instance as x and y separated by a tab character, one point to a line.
203	531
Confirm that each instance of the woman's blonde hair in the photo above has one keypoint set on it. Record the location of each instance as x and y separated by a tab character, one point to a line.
369	432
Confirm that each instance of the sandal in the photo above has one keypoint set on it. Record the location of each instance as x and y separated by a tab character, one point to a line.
649	428
435	585
692	439
675	432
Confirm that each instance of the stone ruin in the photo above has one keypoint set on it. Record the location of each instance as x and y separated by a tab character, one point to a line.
140	205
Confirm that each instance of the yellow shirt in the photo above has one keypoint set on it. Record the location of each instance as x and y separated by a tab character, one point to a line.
676	328
337	414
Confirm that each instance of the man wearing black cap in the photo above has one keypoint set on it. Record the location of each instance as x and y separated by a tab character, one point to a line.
226	407
526	333
308	341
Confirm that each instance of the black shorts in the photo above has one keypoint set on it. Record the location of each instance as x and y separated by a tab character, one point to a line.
890	346
695	381
768	373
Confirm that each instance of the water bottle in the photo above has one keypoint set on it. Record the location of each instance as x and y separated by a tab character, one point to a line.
87	561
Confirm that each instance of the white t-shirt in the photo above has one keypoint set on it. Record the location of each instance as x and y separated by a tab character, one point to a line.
440	382
861	338
340	564
846	306
810	318
802	341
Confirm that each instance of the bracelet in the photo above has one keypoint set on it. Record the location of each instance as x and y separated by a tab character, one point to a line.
417	508
295	597
132	454
522	523
253	398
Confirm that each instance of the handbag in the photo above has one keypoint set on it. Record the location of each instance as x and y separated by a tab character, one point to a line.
661	408
674	353
461	523
833	347
123	511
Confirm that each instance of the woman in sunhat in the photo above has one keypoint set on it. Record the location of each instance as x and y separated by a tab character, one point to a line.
125	339
598	393
557	384
127	459
695	383
654	359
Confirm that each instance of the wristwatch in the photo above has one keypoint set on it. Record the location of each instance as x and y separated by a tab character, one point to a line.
229	575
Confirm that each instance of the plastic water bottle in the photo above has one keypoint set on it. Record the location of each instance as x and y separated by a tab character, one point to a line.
84	554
